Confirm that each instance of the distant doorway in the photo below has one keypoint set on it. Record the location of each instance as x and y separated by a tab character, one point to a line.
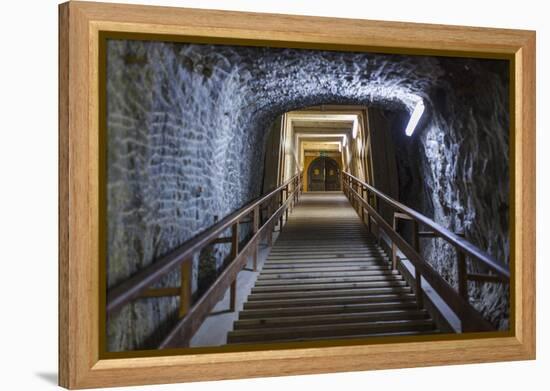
323	175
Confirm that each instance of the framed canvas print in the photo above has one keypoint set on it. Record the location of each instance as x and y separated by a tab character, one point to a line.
247	195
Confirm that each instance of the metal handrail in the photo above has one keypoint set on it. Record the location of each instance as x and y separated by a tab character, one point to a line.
457	241
139	282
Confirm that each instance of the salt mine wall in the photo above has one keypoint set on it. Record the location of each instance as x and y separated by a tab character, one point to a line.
187	128
460	164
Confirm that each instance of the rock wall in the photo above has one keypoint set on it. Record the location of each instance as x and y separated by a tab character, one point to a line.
186	135
460	162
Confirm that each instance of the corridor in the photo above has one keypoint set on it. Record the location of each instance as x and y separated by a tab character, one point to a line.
323	241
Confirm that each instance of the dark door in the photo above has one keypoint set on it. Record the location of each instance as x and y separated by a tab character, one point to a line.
323	175
332	175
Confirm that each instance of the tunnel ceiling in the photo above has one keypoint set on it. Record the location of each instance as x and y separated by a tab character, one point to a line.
223	99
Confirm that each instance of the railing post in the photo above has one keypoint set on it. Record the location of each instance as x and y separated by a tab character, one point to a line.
363	206
255	227
343	184
369	229
280	205
376	207
462	281
281	201
357	203
462	273
234	254
286	199
358	186
393	246
185	287
354	200
270	228
417	274
292	189
352	194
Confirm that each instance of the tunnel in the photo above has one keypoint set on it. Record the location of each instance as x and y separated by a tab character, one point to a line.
195	132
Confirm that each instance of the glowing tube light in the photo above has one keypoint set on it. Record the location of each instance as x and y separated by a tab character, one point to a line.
415	117
344	141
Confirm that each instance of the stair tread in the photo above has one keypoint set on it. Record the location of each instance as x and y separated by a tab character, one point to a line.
328	262
327	293
329	274
328	300
329	318
298	260
361	337
329	286
326	309
306	279
332	330
341	326
325	269
342	253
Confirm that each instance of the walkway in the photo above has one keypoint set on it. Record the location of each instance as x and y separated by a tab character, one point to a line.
327	278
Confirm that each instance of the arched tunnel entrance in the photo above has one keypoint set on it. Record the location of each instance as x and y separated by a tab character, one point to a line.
265	195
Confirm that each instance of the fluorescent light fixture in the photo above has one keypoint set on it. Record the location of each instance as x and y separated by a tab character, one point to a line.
415	117
355	128
339	147
344	140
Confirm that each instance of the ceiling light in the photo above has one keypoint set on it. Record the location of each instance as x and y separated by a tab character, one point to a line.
415	117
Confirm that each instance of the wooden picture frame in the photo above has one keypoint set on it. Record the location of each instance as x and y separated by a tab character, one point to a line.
80	363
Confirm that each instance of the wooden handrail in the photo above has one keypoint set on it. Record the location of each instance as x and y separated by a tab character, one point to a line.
470	318
460	243
140	281
185	328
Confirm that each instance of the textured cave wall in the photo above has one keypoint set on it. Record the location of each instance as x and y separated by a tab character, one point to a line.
271	157
456	170
186	136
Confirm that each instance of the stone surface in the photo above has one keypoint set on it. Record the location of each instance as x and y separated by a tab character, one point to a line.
187	126
460	160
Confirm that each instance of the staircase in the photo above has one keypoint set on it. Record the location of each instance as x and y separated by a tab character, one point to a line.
327	278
